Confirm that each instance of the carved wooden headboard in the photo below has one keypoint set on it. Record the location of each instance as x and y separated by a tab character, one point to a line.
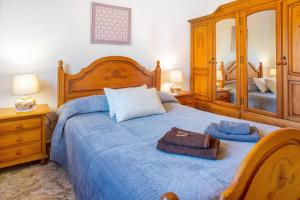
112	72
229	73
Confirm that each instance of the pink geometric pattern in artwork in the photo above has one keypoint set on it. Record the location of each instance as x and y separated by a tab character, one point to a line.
110	24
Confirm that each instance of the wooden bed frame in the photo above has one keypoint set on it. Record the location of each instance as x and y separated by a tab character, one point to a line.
111	72
229	72
270	171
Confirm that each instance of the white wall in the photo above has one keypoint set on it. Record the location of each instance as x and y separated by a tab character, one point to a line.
35	34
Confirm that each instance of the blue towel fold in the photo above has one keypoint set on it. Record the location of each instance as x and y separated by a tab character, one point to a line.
236	128
212	130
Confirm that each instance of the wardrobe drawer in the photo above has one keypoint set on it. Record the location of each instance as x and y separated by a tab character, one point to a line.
20	125
19	152
20	138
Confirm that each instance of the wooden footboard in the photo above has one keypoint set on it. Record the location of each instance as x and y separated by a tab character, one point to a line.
270	171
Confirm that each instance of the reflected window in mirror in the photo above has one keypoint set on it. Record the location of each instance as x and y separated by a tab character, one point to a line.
261	56
226	61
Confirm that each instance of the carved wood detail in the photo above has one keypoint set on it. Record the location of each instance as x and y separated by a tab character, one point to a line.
112	72
270	170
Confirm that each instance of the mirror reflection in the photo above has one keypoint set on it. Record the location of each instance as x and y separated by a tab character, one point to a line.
226	61
261	32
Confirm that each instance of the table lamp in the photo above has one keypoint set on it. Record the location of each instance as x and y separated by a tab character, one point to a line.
219	78
175	77
273	73
25	85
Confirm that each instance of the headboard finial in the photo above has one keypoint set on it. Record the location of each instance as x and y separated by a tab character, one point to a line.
61	82
158	75
158	64
60	63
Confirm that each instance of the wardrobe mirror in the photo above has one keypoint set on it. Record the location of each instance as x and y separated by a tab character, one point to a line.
261	66
226	72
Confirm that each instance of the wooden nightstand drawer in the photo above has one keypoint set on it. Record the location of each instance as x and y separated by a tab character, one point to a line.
22	135
222	95
20	138
20	125
185	100
19	152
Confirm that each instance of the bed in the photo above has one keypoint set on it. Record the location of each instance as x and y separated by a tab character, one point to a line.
256	99
110	160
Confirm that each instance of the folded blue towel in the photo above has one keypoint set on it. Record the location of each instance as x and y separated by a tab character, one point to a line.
236	128
212	130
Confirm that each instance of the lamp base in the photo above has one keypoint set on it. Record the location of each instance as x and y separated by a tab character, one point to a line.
25	104
175	89
28	110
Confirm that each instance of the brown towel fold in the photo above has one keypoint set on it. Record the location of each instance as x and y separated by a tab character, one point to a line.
187	138
209	153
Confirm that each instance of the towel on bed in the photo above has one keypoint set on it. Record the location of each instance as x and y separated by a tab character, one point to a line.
237	128
208	153
187	138
212	130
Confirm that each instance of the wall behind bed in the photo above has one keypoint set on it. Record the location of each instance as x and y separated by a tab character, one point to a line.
35	34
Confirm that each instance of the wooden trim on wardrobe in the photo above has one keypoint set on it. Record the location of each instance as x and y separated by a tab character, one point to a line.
234	6
235	16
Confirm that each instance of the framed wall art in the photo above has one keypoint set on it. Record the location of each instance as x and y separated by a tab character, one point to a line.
110	24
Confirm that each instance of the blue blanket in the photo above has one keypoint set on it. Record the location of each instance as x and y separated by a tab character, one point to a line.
107	160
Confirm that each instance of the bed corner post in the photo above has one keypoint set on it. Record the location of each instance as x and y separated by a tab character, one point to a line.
60	83
157	75
222	68
260	70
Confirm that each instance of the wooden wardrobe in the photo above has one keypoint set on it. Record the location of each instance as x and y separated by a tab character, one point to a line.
241	43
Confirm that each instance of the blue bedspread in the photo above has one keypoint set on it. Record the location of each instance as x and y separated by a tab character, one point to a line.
107	160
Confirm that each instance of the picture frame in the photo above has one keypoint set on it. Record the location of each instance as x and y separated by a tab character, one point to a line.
110	24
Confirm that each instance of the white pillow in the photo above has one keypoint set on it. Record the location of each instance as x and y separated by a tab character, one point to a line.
131	104
271	84
109	93
261	84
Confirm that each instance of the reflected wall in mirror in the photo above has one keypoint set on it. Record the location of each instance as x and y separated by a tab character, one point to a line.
261	56
226	61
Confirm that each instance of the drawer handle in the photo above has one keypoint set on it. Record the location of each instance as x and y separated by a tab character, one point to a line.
18	152
20	126
19	139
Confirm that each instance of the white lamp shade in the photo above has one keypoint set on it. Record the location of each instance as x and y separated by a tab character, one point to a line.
26	84
273	72
219	75
175	76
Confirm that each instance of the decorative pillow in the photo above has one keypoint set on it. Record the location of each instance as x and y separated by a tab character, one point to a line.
271	84
261	84
110	97
231	86
131	104
252	86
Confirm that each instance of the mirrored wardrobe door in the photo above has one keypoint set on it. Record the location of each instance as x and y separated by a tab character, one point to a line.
261	66
226	67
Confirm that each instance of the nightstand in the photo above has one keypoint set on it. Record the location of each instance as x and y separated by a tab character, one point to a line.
22	135
185	98
223	95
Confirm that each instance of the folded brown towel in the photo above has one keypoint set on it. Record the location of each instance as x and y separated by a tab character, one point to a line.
209	153
187	138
